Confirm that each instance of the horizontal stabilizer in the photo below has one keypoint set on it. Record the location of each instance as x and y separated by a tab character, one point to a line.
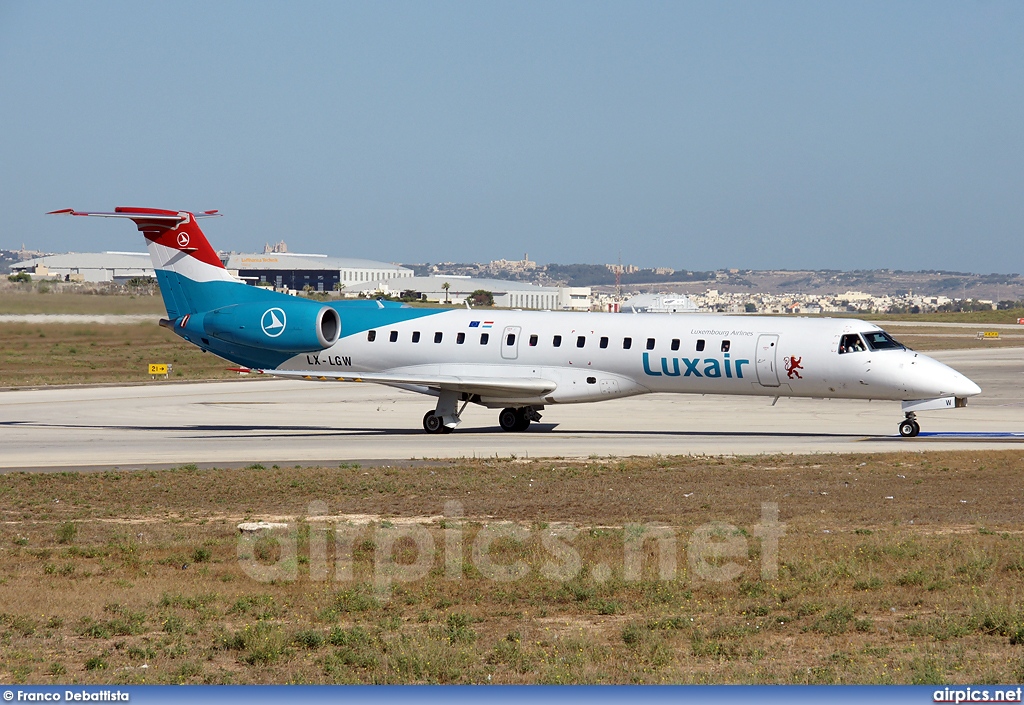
148	213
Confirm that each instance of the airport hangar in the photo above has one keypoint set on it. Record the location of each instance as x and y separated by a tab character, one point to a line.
278	269
506	293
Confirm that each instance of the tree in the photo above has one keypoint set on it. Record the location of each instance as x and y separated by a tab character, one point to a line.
481	297
446	286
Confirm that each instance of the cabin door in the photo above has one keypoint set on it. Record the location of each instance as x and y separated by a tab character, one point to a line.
510	342
767	369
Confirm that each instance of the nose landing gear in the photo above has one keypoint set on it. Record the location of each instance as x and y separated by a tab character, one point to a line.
909	427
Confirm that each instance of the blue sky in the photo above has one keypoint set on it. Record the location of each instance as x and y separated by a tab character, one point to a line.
684	134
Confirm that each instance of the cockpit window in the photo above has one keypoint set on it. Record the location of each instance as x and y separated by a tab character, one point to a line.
851	343
880	340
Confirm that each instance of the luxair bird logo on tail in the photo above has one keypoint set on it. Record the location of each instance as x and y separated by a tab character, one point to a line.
273	322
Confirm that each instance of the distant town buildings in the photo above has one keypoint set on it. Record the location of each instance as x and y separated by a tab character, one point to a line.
500	266
524	284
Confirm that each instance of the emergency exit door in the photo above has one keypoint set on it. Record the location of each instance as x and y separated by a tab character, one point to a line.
767	369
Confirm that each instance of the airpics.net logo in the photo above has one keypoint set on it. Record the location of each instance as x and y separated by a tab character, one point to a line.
407	552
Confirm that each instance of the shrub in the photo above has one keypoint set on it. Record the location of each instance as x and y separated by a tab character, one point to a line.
66	532
457	629
309	639
96	663
356	636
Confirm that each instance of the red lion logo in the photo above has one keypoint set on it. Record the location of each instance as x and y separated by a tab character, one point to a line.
792	365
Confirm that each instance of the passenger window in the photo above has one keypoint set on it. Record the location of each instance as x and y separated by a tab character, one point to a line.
604	341
460	338
371	335
437	337
675	343
533	341
415	336
394	336
556	341
725	346
851	343
650	343
627	343
700	346
581	341
484	337
510	339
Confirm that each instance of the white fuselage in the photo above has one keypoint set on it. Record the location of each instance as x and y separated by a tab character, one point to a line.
594	356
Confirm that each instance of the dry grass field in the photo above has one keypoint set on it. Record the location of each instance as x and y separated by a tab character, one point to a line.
926	338
899	568
26	299
58	353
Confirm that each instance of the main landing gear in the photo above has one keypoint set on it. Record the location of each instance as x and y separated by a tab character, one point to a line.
511	419
445	418
909	427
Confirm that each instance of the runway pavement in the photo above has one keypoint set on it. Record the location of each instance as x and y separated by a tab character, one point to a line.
274	421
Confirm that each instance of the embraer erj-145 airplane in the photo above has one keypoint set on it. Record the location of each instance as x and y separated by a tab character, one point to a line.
523	361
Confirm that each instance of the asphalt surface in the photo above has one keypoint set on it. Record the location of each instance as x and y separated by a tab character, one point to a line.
274	421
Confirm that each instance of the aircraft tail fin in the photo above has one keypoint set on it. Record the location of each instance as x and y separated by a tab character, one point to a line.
185	263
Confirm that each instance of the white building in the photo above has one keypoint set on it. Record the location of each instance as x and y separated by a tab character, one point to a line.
507	294
659	303
117	267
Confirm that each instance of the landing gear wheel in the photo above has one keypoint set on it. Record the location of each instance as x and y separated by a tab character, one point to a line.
434	424
523	422
516	419
509	420
909	428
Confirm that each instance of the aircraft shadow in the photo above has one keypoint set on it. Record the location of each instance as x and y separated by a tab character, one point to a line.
223	431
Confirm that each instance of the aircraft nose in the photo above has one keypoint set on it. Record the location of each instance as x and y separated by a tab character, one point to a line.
966	387
931	378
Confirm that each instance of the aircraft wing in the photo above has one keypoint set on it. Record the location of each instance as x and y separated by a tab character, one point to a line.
484	386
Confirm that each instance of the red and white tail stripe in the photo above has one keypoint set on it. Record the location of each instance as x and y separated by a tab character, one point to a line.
174	240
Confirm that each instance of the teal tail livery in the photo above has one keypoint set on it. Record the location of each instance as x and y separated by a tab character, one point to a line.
523	361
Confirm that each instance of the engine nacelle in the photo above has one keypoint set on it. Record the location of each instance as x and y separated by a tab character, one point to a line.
295	326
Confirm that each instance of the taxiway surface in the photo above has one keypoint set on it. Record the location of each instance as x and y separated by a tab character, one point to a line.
276	421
